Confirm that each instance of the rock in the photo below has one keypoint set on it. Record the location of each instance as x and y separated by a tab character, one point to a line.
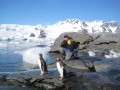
117	47
84	63
108	37
104	41
89	82
105	80
12	87
82	38
76	64
32	35
101	65
45	86
3	78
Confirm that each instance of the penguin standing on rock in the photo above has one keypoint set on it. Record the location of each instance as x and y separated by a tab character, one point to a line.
42	65
61	69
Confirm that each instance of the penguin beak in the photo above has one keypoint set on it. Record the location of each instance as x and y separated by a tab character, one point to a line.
58	59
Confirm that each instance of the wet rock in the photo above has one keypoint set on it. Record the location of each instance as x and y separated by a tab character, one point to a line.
12	87
101	65
84	63
82	80
45	86
89	82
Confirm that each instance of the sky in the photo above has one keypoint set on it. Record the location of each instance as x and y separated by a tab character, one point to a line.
48	12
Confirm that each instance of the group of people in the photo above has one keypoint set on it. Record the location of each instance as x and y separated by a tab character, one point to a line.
69	47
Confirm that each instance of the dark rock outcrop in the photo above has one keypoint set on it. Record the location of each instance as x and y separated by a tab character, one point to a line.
32	35
31	80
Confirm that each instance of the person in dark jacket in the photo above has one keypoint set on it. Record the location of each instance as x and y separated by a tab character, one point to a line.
70	47
63	47
67	46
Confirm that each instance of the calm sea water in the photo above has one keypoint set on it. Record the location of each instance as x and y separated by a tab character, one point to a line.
11	61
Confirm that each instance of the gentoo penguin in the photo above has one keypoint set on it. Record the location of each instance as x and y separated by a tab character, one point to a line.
42	65
61	68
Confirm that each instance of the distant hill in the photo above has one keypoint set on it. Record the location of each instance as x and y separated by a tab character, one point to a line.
16	32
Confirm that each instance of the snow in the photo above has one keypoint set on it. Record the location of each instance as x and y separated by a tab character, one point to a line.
17	34
113	54
91	53
14	32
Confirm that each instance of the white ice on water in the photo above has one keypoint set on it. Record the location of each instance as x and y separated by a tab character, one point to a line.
21	32
91	53
113	54
31	55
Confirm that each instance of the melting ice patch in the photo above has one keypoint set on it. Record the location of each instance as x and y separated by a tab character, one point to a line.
91	53
113	54
32	55
3	44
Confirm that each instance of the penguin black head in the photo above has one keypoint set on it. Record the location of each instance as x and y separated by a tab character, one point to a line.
58	59
40	55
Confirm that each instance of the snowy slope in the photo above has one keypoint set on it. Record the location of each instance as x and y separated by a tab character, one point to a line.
18	32
76	25
23	32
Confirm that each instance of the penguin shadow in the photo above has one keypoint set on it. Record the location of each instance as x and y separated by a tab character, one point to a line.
67	73
89	65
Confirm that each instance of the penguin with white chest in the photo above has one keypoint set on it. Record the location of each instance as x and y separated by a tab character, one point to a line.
61	68
42	65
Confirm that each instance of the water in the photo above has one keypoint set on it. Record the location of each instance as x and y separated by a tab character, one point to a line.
12	56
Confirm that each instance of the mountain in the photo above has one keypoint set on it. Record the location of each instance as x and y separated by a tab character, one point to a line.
19	32
26	32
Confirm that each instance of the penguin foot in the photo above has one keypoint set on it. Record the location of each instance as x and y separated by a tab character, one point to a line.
61	78
41	74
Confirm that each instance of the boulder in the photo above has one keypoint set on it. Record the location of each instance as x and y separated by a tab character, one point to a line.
108	37
117	47
81	37
32	35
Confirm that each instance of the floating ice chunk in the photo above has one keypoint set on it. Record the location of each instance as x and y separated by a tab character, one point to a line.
31	56
91	53
113	54
108	56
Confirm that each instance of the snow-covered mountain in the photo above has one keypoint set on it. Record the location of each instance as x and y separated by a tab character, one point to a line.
19	32
25	32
